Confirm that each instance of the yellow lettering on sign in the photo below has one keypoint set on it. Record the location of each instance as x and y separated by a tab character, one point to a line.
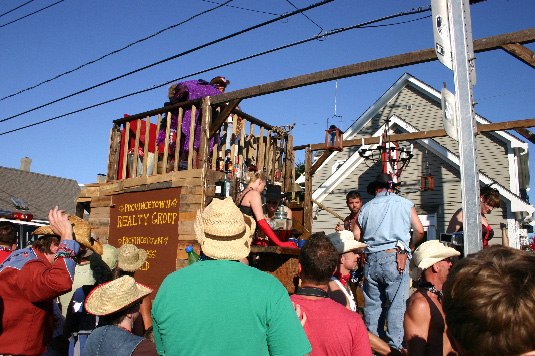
143	240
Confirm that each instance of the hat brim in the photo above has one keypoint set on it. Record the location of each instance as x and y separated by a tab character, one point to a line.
101	302
233	247
132	267
415	272
352	246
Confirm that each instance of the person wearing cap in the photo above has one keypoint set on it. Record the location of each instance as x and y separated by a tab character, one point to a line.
220	83
117	305
80	323
274	197
424	323
130	259
331	328
348	258
30	279
384	225
220	306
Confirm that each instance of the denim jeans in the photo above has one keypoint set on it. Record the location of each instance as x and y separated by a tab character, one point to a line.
385	293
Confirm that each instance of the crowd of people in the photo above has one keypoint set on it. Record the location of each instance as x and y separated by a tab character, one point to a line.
65	295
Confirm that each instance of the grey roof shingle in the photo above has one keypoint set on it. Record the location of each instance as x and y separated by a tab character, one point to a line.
40	192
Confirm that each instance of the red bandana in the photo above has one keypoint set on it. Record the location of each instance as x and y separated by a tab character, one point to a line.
344	278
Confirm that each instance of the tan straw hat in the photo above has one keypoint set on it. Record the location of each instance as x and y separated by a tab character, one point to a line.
131	258
110	256
113	296
81	231
223	232
427	254
344	241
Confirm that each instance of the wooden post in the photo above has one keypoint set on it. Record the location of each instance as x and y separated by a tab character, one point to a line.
166	144
261	148
146	147
250	144
156	146
307	211
113	154
204	145
178	147
289	163
125	148
136	146
191	153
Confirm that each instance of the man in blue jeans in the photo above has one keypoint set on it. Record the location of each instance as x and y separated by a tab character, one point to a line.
385	224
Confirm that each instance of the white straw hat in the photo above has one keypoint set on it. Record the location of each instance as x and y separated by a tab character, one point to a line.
131	258
427	254
223	232
110	256
344	241
113	296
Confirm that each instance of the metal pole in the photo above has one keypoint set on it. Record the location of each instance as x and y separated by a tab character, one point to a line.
464	78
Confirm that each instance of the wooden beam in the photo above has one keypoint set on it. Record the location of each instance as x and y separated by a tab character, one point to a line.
320	160
520	52
307	208
376	65
528	135
223	115
498	126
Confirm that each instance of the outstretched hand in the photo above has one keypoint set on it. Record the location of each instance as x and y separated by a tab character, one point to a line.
60	224
290	244
300	314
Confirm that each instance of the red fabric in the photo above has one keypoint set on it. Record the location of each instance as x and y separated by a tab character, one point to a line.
4	254
343	278
332	329
26	304
264	226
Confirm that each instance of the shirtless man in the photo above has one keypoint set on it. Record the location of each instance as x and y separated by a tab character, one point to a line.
354	203
424	324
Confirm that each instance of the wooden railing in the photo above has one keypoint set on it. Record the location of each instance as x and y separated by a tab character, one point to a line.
135	152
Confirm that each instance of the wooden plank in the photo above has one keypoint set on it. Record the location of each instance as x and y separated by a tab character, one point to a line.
233	137
223	115
242	145
190	207
191	152
204	144
307	208
250	145
101	202
134	182
89	192
156	146
146	147
526	134
320	160
166	143
191	198
136	148
289	176
260	150
100	213
181	182
520	52
186	227
268	154
187	216
186	237
375	65
178	147
113	155
195	190
125	149
192	173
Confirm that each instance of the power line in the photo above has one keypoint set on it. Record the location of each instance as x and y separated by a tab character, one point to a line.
173	57
30	14
116	51
362	25
243	8
18	7
321	28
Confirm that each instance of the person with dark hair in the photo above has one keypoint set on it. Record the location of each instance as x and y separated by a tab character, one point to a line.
385	224
8	239
354	203
424	324
117	303
30	279
331	328
489	199
489	299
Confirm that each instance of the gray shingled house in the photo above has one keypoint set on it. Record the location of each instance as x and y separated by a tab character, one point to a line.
412	106
39	192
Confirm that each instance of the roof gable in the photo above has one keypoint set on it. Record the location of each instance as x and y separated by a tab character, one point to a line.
40	192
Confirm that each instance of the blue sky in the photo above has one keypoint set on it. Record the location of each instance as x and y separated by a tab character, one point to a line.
74	32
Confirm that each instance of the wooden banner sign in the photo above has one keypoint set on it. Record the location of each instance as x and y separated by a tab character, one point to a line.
148	220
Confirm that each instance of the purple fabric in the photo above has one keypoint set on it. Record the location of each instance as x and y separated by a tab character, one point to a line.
189	90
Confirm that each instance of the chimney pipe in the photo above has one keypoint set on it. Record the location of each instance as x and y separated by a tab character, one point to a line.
101	178
25	164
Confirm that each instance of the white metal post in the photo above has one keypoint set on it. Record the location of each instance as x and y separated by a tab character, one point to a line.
464	78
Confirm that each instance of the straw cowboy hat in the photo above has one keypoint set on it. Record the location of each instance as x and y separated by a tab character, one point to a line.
344	241
131	258
223	232
113	296
383	180
110	256
427	254
81	231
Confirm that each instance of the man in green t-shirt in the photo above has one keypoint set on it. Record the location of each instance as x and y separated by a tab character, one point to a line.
220	306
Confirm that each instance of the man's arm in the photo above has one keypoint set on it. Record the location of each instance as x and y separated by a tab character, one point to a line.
416	325
417	229
456	222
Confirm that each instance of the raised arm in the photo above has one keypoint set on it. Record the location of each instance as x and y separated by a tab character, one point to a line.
456	222
418	229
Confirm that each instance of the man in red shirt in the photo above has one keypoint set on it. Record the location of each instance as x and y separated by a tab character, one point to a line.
30	279
331	328
8	239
